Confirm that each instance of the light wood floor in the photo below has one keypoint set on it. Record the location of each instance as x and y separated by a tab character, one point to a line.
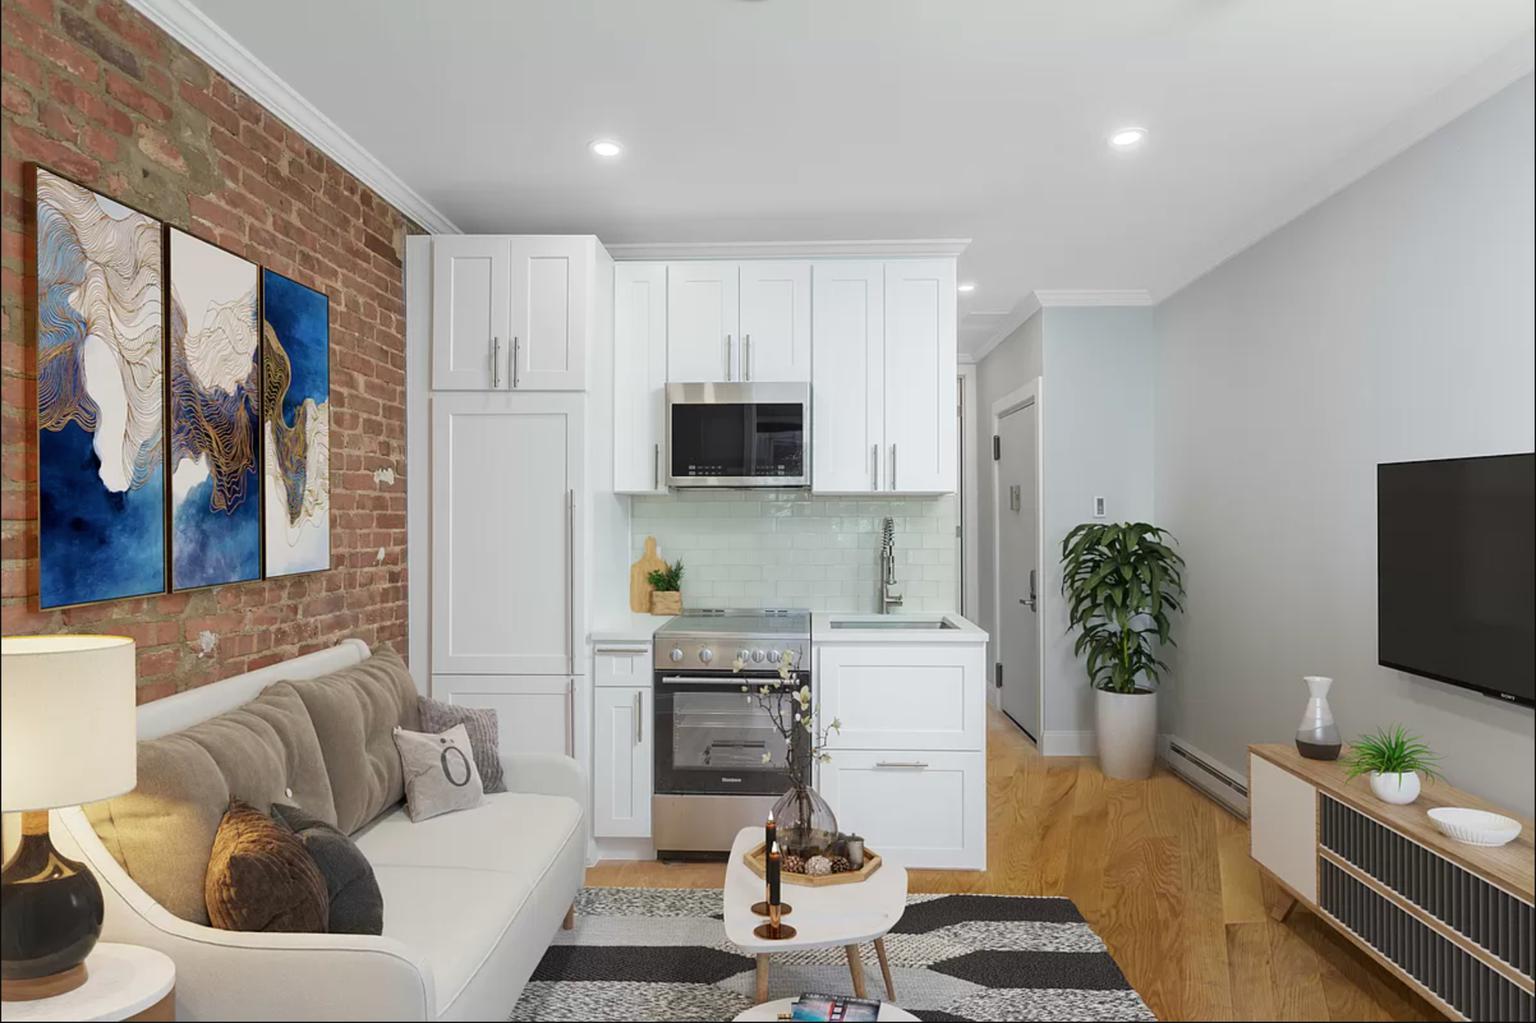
1163	875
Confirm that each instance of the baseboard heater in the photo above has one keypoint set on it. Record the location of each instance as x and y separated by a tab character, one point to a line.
1207	775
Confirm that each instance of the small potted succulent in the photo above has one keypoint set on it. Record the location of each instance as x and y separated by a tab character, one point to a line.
667	589
1393	759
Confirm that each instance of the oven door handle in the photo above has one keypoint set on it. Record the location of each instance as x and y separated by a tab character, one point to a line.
729	682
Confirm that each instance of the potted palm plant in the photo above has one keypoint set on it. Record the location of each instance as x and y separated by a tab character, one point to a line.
1393	759
1121	581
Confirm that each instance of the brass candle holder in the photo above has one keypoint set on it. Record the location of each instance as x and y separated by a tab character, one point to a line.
762	908
774	930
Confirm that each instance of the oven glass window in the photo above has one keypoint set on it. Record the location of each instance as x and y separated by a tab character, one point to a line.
724	732
751	440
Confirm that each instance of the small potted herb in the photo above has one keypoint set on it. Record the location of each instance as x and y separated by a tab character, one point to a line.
1394	760
666	589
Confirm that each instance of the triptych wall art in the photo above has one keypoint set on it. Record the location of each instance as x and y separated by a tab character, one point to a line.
183	408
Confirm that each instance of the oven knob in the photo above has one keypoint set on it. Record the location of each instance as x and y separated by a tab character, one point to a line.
773	655
757	655
743	654
677	654
706	655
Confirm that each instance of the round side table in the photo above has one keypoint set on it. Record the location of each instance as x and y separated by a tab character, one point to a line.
122	982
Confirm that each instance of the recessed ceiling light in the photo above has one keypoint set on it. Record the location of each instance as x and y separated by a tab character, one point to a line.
606	148
1126	138
967	287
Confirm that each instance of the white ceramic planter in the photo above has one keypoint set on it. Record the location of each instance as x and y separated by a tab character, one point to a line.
1127	733
1395	788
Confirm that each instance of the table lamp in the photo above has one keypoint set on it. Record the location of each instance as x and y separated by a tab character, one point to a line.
67	736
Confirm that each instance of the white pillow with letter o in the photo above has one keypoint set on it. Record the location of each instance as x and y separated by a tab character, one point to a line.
440	772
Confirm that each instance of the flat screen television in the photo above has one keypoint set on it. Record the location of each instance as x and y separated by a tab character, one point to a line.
1456	572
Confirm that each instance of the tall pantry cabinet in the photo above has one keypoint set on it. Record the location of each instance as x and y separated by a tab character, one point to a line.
503	490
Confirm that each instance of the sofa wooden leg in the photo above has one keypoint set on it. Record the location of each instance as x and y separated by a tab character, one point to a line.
570	918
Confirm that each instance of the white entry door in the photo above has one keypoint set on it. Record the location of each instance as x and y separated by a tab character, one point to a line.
1018	567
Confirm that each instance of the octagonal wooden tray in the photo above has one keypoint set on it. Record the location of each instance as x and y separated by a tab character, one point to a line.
756	861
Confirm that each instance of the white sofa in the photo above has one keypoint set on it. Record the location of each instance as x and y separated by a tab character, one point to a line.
471	899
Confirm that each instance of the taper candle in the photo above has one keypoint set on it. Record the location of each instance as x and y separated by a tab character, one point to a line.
773	874
770	832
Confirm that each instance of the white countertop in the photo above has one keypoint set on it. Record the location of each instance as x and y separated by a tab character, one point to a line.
626	627
824	628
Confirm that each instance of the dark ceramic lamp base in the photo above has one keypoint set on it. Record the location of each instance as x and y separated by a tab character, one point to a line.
50	917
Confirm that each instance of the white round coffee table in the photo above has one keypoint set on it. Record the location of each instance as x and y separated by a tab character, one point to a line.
845	915
771	1010
121	982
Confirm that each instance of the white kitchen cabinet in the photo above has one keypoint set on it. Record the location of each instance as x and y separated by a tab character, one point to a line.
903	696
639	377
621	764
920	376
884	391
924	809
534	713
775	321
848	386
622	664
511	312
471	313
507	573
703	315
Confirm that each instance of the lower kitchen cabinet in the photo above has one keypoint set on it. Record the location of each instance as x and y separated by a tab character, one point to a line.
905	696
621	762
923	808
534	713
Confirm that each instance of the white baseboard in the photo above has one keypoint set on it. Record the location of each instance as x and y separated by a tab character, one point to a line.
622	849
1216	779
1068	744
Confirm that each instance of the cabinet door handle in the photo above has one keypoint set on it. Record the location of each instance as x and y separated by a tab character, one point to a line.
874	458
727	357
746	356
495	363
570	717
911	765
656	467
892	480
516	350
639	717
570	578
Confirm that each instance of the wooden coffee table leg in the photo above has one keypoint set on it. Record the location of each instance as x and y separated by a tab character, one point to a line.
855	969
885	970
762	979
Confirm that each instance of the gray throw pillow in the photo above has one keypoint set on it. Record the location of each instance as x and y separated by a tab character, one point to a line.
440	772
357	905
484	738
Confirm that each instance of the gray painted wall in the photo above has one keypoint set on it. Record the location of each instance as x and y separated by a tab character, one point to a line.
1393	321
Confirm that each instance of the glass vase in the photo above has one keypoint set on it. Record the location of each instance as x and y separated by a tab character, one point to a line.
806	824
1318	737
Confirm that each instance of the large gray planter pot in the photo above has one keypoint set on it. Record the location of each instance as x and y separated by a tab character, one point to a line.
1126	732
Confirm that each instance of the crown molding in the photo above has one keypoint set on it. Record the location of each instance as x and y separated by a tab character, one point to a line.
1062	298
188	25
885	248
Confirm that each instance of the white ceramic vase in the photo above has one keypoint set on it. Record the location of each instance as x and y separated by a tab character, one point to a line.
1126	733
1401	789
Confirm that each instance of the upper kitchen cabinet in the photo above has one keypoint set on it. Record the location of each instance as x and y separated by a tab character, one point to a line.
639	377
921	376
775	321
511	313
738	322
884	400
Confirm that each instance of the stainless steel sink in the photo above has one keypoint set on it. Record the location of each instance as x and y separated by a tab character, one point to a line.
894	623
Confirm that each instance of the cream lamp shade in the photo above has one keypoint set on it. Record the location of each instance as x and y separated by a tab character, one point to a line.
67	720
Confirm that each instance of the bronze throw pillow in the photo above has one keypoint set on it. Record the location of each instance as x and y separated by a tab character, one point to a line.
261	878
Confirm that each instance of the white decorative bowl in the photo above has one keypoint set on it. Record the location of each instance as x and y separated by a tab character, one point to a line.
1475	827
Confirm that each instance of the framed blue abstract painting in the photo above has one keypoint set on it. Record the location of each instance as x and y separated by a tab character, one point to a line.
100	397
296	424
215	388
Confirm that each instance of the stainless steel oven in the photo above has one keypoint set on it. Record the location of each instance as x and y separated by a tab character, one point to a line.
738	435
710	775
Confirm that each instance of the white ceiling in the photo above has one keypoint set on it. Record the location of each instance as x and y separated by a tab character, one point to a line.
778	120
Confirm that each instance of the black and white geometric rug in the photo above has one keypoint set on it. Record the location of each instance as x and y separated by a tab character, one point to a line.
661	954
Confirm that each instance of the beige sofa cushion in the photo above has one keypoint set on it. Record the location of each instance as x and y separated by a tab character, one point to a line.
162	832
355	712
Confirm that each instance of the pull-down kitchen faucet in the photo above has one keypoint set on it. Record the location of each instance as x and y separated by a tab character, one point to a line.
888	597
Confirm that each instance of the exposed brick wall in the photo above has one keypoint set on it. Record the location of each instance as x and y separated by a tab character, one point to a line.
100	94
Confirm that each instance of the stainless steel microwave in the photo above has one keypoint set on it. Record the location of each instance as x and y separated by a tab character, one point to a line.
738	435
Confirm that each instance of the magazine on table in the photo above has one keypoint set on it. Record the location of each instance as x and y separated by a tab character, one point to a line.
834	1008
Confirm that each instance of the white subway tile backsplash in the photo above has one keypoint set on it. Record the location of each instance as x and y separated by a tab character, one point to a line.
783	549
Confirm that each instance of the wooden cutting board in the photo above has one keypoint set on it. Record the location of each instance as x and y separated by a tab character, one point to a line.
639	584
